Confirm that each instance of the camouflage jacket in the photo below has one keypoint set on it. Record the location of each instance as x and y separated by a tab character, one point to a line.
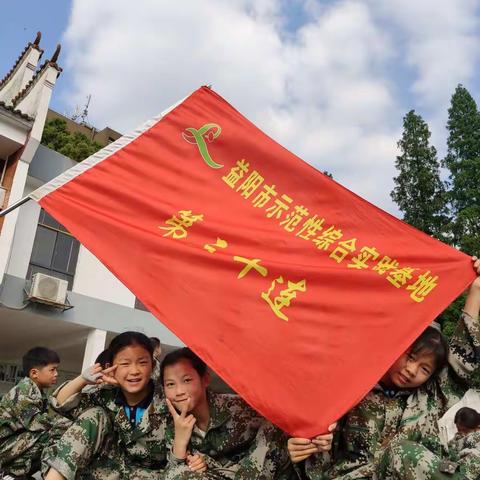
368	428
24	408
239	443
143	445
462	445
363	431
430	402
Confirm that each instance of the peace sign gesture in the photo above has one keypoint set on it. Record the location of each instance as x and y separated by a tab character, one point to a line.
96	374
107	376
183	427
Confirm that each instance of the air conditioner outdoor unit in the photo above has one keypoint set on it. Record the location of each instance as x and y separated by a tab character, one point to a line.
48	289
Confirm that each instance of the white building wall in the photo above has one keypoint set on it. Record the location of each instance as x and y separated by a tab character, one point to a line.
9	129
91	277
94	280
8	228
24	237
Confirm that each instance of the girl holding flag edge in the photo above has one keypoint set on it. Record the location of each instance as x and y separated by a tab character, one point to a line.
395	425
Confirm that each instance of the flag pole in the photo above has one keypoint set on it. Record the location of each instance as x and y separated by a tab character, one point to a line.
14	206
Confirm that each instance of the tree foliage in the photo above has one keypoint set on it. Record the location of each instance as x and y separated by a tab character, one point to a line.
451	211
463	162
419	191
76	145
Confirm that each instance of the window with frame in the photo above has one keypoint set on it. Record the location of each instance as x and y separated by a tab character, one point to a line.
55	250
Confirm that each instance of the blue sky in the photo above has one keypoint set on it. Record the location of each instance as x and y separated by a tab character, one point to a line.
25	19
330	80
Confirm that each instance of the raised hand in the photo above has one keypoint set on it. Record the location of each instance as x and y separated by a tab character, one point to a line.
472	303
92	374
183	424
106	376
476	266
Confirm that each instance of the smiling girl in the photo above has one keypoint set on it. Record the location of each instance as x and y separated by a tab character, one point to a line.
119	427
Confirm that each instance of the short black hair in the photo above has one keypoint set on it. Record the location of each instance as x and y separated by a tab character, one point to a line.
103	358
38	357
467	417
127	339
183	354
155	342
432	341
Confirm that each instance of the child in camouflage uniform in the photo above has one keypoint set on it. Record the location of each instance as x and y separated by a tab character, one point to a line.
410	460
217	435
464	448
119	429
414	393
467	420
416	452
26	424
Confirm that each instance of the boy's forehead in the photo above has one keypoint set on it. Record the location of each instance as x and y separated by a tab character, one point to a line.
51	365
180	367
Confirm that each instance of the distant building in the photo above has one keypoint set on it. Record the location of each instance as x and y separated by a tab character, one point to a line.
31	241
102	137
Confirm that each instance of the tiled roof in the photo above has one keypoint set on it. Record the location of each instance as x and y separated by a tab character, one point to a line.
31	83
16	112
35	44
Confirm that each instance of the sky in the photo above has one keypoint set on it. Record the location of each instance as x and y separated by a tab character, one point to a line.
329	80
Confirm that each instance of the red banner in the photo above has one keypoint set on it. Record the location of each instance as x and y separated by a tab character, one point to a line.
297	292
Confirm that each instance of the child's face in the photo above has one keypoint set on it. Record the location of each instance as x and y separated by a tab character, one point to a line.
411	370
46	376
134	369
182	382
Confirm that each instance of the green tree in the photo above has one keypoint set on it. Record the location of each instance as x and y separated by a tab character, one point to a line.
419	192
463	162
76	146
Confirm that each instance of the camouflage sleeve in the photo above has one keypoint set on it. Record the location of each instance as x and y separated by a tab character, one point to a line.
314	467
422	413
21	407
360	436
76	404
172	459
267	457
464	357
